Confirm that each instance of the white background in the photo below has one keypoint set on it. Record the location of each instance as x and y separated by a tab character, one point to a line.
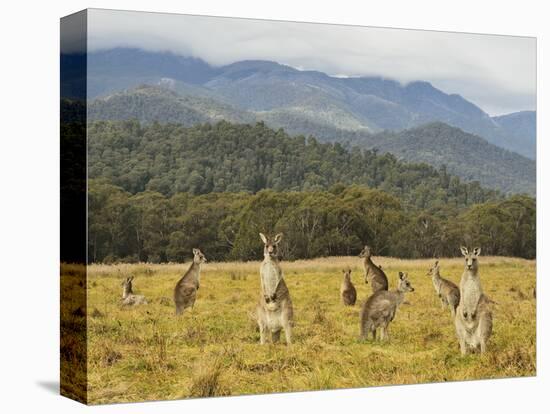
29	175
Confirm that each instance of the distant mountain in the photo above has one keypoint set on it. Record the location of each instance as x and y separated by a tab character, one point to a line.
154	103
468	156
118	69
522	127
311	98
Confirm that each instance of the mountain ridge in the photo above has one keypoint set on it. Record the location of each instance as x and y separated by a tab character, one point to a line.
376	102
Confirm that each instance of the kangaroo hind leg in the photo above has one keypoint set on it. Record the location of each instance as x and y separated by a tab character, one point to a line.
288	333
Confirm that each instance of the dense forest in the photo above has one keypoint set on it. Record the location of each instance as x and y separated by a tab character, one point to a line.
156	191
149	226
170	158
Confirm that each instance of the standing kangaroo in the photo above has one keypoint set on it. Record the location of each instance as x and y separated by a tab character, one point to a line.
379	310
128	297
447	291
379	280
347	290
185	292
474	319
275	310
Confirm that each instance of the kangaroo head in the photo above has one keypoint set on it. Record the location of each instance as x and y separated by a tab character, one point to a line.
347	273
271	302
271	245
366	252
404	283
470	258
469	317
434	270
198	256
127	286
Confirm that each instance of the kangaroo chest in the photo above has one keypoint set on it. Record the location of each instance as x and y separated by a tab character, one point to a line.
192	277
343	287
270	275
274	319
470	294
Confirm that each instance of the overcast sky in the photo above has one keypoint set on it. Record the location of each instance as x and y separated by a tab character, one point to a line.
497	73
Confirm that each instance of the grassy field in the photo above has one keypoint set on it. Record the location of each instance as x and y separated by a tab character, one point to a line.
146	353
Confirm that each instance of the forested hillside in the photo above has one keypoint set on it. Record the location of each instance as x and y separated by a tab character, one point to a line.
466	155
170	158
152	103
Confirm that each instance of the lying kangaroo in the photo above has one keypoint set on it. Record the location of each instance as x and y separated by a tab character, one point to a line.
448	292
474	319
379	310
274	312
128	297
379	280
185	292
347	290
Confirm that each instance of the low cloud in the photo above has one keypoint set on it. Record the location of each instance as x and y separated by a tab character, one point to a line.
498	73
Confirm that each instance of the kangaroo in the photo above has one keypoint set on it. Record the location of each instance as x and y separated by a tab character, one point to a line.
448	292
185	292
347	290
128	297
379	280
274	312
379	310
474	319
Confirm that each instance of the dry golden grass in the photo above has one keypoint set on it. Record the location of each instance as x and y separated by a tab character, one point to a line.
146	353
73	328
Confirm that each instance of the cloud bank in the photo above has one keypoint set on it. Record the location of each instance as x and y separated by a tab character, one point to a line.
498	73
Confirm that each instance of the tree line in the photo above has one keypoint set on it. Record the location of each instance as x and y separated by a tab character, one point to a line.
154	227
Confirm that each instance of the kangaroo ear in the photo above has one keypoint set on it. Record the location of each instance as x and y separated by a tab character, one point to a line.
464	250
278	238
477	251
437	262
401	275
264	239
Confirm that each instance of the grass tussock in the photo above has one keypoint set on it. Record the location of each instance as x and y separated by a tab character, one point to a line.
147	353
110	356
207	380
